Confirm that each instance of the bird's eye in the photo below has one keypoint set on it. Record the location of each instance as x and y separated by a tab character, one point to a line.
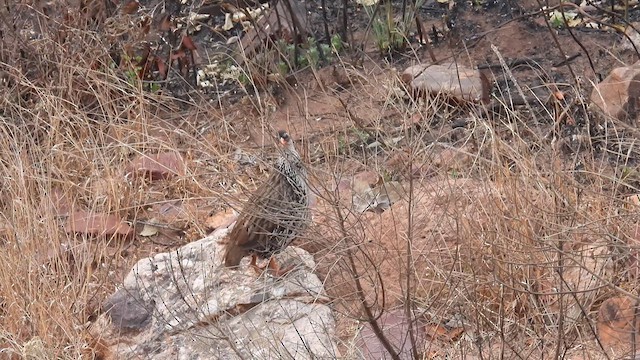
283	135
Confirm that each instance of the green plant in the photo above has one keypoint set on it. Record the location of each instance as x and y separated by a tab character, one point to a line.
132	69
153	86
342	144
337	44
308	53
391	34
362	135
558	19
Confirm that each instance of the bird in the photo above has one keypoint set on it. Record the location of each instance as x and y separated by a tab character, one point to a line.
276	214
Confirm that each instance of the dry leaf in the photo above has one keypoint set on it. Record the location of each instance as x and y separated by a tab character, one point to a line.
130	7
178	54
442	333
149	230
166	23
228	23
162	67
188	44
633	200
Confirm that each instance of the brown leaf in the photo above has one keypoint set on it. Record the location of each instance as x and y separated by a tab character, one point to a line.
144	25
130	7
159	166
97	224
188	44
162	67
178	54
632	202
165	23
442	333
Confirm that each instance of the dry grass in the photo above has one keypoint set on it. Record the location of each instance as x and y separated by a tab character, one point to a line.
71	122
516	238
502	240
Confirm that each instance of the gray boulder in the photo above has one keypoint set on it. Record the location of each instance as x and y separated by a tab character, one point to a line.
185	305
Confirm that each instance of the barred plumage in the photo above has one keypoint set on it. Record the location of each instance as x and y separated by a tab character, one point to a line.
276	214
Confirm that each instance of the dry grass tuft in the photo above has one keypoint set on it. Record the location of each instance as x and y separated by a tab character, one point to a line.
71	121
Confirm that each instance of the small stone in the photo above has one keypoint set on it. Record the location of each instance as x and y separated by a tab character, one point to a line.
158	166
618	95
128	311
395	325
455	81
632	40
618	323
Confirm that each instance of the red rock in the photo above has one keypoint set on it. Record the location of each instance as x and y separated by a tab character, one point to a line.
617	323
455	81
159	166
618	95
86	222
395	326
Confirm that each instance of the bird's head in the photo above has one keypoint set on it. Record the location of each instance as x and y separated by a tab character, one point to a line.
284	139
287	149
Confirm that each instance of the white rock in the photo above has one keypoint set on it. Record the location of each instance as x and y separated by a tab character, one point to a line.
185	305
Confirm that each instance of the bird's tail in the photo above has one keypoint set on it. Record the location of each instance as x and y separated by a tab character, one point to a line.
233	255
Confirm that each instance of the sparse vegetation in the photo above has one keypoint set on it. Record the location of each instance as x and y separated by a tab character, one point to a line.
391	30
500	237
